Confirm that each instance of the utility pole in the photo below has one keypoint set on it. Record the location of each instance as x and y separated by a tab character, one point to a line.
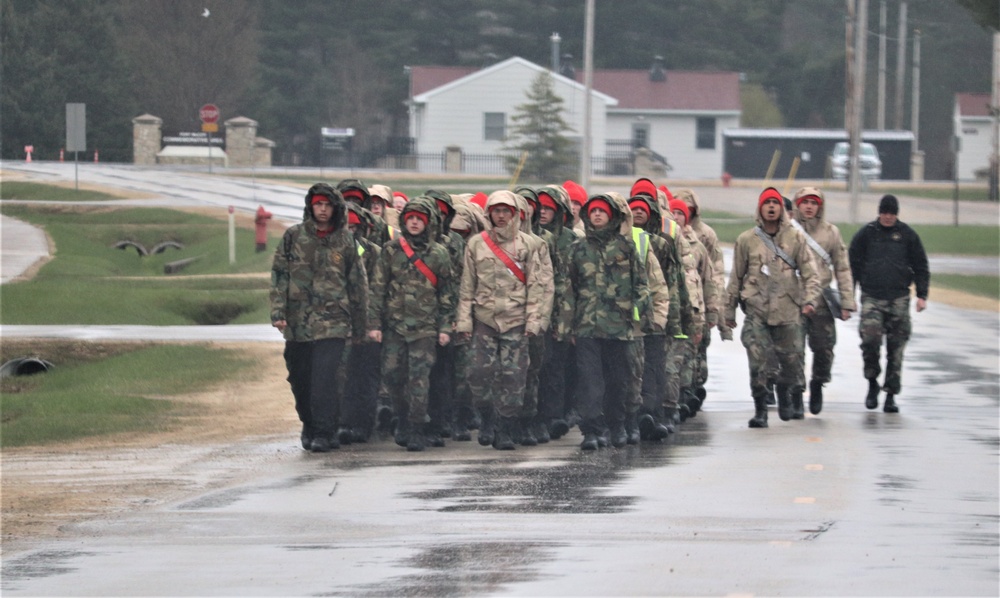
995	112
857	99
588	83
849	70
900	68
917	159
880	120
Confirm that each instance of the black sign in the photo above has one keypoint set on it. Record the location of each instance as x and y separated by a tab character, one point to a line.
193	138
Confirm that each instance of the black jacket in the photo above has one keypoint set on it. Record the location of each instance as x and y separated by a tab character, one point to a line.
885	261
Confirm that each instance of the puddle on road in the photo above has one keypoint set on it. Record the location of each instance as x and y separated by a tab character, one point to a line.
43	563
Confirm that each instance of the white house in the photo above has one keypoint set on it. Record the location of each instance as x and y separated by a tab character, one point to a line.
677	114
974	129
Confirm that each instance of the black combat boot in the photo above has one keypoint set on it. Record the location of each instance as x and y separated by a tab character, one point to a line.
690	400
871	401
701	393
798	411
619	437
541	430
667	424
631	429
759	419
590	442
307	437
784	402
384	418
345	435
487	426
527	436
646	424
558	428
417	440
890	404
402	433
815	397
502	440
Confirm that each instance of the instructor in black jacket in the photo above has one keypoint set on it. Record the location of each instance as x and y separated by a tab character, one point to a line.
886	258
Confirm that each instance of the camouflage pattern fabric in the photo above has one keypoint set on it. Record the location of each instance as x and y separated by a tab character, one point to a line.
406	369
499	364
761	339
636	367
821	333
674	360
318	285
889	318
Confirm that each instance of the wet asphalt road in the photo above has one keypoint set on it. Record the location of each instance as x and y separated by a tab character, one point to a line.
850	502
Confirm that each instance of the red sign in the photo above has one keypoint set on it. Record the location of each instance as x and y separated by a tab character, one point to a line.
209	113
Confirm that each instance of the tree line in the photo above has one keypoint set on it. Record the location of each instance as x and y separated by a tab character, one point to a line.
298	66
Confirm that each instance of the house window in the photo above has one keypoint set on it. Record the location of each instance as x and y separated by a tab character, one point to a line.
640	135
705	138
494	125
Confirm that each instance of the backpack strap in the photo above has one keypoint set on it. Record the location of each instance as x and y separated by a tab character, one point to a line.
419	263
769	243
500	253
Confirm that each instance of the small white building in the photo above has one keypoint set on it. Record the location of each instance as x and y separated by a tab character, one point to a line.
974	130
679	115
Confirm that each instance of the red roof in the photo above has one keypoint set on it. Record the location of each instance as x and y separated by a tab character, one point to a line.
682	90
973	104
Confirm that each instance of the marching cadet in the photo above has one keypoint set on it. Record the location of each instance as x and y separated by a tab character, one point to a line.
768	262
500	307
413	303
319	299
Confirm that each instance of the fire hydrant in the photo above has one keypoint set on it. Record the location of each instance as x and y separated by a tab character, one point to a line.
260	224
726	177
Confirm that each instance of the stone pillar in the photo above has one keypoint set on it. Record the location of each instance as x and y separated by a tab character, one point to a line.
147	136
262	152
241	136
453	159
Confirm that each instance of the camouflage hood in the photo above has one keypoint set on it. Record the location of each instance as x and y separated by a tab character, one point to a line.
389	213
510	199
689	197
655	223
769	192
427	207
339	219
468	216
356	191
564	214
443	201
616	224
809	225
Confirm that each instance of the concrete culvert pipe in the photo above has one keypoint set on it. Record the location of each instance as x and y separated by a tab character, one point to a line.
24	366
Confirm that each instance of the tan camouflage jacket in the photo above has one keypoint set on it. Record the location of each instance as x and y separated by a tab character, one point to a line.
827	235
715	287
697	269
767	287
490	293
546	274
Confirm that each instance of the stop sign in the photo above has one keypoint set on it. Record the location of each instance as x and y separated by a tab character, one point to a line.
209	113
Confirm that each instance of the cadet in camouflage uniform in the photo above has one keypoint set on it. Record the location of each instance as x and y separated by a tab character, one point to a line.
608	283
413	306
831	259
442	393
887	257
698	273
500	305
530	430
360	398
714	289
556	217
355	191
319	298
774	280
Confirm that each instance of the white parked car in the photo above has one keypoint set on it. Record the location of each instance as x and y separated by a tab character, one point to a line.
869	162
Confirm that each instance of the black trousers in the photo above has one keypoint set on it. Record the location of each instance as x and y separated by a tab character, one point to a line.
552	380
654	374
364	369
312	374
602	369
441	401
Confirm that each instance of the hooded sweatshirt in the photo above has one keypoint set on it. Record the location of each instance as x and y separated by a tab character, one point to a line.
318	283
607	280
654	319
765	285
714	288
404	299
490	292
539	245
665	248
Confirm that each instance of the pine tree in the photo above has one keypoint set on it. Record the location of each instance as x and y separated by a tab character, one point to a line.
538	130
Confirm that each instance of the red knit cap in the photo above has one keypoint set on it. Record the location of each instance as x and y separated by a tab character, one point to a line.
396	194
810	192
479	199
599	204
547	202
679	204
315	199
644	186
670	196
639	203
354	194
770	193
577	194
352	218
418	214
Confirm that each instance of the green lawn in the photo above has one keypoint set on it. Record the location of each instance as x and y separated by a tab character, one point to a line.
97	389
91	282
41	191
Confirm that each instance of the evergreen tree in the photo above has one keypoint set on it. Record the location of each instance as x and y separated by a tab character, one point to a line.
538	131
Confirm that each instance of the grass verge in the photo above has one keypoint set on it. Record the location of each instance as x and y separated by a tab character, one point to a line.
91	282
42	192
100	388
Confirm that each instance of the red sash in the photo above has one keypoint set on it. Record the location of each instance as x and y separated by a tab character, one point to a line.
500	253
419	263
